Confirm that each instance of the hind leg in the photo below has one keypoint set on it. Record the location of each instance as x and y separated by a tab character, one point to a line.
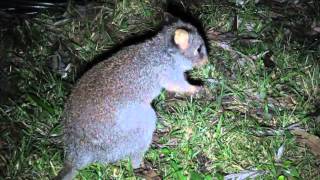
144	138
143	142
67	172
138	122
70	168
136	160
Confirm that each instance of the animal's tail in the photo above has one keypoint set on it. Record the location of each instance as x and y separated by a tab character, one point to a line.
67	172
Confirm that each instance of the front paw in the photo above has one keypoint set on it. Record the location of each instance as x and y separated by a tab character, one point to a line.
194	90
201	92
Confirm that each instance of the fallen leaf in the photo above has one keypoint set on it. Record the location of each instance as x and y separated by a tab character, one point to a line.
310	140
203	162
147	172
268	131
280	153
316	29
235	24
251	174
267	60
215	35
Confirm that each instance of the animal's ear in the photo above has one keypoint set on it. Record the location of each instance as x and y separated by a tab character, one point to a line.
181	38
169	18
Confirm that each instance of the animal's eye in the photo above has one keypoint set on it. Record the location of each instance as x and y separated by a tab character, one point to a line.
199	49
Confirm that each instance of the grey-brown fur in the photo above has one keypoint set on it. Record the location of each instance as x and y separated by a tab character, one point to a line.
108	115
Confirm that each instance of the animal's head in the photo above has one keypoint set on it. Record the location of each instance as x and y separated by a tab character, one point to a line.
184	39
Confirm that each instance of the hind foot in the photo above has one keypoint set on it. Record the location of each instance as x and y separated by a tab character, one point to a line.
137	160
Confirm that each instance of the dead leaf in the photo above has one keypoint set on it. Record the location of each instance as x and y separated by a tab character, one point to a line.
215	35
147	172
203	163
280	153
235	24
246	174
267	61
268	131
310	140
316	29
156	142
247	42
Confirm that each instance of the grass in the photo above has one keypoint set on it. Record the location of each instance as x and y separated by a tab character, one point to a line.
197	137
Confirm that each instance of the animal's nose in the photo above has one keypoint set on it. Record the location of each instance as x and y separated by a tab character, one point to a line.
204	60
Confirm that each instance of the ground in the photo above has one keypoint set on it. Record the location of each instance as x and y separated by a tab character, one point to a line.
262	91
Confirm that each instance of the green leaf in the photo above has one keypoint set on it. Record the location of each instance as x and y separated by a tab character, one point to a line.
41	103
281	177
196	176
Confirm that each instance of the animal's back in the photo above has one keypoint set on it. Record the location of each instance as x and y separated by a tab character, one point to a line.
92	109
112	81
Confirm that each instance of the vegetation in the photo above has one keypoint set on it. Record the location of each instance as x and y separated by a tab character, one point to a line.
263	82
